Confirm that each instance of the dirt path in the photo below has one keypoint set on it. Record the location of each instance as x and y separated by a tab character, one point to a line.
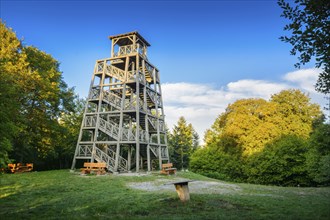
200	187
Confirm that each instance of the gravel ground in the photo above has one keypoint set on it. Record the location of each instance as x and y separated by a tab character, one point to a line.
200	187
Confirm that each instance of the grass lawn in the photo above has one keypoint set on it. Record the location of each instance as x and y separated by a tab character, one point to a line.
63	195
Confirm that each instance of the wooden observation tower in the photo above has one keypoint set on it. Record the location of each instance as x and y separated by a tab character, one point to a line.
123	123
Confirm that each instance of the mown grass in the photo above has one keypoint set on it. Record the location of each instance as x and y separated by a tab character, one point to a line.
64	195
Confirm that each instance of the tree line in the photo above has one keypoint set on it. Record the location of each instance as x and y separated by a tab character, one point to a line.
284	141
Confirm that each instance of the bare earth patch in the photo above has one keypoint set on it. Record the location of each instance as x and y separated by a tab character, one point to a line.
199	187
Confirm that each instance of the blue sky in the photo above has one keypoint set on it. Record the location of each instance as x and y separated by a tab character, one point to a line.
209	53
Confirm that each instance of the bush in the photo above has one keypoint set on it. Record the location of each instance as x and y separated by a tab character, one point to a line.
281	163
318	156
215	163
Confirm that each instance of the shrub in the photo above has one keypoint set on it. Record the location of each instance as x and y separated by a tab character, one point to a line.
281	163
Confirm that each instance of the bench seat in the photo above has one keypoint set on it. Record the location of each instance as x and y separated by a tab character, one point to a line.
91	167
167	168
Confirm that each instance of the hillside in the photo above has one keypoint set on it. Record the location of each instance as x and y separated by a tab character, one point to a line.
63	195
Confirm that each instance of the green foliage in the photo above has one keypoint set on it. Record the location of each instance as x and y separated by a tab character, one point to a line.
318	157
33	98
296	112
261	141
69	131
252	123
310	29
280	163
12	65
214	163
182	143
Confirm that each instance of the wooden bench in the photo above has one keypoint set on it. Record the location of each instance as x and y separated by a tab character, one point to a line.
20	168
167	168
92	167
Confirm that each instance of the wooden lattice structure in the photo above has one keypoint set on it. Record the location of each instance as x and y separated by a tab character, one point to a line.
123	123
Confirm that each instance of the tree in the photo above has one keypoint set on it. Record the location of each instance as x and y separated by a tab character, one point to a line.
195	139
182	142
310	28
33	97
12	66
296	113
248	127
252	123
68	132
46	97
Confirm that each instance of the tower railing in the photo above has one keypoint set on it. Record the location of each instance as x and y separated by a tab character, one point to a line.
103	157
90	121
112	99
84	150
123	164
129	49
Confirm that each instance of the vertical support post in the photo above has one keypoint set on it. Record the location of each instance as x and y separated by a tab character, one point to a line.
137	109
98	108
146	116
129	158
163	118
93	152
157	115
112	48
134	43
148	157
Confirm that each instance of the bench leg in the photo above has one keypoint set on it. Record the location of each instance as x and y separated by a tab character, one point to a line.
183	192
100	172
85	172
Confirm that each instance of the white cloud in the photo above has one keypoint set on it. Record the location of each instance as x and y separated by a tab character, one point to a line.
304	78
200	104
255	88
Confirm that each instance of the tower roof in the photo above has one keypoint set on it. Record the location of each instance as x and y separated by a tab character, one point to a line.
124	41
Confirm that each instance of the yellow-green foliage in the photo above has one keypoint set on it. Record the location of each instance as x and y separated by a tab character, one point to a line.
256	122
12	66
264	142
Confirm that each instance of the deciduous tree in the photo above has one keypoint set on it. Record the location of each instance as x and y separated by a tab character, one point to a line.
33	97
258	130
310	29
13	65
